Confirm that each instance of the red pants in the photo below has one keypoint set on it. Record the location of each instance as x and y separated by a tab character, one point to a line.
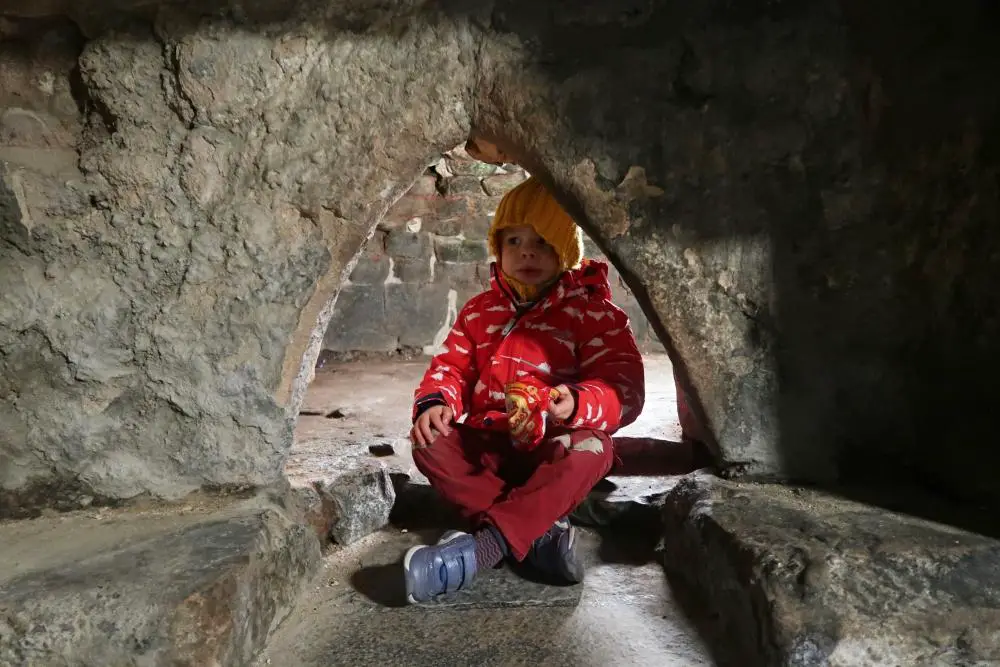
520	493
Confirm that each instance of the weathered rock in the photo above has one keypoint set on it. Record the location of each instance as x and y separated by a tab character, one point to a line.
159	335
203	584
800	578
360	501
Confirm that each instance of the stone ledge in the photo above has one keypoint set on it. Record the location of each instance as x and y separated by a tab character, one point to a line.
800	578
202	584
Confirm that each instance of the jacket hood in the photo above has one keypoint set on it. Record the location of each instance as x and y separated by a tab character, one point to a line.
592	275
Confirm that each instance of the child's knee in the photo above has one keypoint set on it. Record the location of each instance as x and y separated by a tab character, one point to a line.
589	447
438	455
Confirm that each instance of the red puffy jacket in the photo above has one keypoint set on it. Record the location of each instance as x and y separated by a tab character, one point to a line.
573	335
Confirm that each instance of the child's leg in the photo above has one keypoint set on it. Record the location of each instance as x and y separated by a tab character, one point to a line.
462	467
569	466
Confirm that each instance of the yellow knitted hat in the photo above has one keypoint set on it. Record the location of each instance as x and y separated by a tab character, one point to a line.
531	204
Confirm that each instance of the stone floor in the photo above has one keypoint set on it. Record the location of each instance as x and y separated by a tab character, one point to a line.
623	614
356	413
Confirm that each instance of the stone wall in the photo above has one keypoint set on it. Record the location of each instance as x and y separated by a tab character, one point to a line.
428	256
802	195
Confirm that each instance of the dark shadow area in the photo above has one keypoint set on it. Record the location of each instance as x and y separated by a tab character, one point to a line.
710	625
382	584
651	456
631	542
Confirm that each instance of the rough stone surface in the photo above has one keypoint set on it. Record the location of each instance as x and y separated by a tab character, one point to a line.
804	196
202	584
800	578
360	500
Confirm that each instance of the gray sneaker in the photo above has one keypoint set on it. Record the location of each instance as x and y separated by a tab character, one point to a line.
445	567
554	553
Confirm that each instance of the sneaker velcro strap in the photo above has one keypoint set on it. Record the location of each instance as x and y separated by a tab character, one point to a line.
455	570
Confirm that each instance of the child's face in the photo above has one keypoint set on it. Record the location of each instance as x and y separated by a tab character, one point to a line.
527	256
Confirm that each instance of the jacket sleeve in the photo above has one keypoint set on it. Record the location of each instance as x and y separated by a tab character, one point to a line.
451	373
612	386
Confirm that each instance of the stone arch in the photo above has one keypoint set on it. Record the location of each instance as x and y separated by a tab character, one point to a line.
164	254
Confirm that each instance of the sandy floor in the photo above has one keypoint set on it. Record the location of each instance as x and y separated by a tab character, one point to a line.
369	403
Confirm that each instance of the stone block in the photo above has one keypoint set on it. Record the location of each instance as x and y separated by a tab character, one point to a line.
417	312
477	227
450	215
460	250
359	321
462	185
202	583
498	185
402	243
802	578
408	207
373	264
412	270
445	226
486	205
460	275
425	186
360	501
463	165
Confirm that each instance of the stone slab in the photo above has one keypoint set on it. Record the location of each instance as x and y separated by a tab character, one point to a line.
198	584
802	578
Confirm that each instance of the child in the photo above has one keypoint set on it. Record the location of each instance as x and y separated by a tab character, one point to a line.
548	321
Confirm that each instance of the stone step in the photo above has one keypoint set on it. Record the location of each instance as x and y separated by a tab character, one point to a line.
803	578
203	583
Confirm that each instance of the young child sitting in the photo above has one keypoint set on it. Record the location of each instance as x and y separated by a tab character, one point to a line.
544	369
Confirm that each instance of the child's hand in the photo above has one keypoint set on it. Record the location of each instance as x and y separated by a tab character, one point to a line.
562	406
432	421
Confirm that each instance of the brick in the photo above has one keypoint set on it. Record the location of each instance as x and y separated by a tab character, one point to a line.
477	227
416	312
457	274
445	227
457	206
462	165
486	206
359	321
460	250
412	270
406	208
414	245
462	185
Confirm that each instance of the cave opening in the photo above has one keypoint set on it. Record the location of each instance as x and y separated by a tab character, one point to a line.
426	258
